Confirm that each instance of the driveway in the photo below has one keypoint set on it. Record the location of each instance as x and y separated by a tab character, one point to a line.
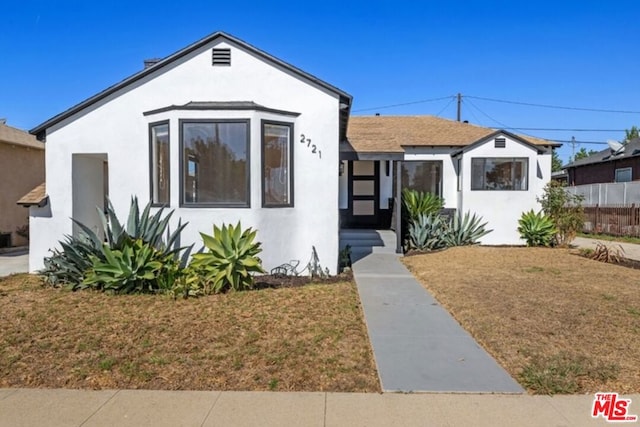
14	262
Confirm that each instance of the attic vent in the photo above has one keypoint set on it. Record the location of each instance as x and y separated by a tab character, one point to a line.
221	57
501	142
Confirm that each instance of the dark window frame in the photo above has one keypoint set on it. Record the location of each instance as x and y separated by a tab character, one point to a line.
484	165
290	125
182	171
440	190
152	165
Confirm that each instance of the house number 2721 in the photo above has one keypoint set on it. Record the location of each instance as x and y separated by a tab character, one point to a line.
310	146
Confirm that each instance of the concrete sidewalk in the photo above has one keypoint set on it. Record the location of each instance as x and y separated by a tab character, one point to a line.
417	345
631	250
14	262
141	408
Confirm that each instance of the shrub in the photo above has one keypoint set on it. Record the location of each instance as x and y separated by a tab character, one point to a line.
230	260
467	230
536	229
610	254
68	266
134	269
564	209
430	232
418	203
87	250
427	233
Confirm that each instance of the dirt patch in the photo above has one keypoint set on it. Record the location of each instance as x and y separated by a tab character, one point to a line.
302	338
559	323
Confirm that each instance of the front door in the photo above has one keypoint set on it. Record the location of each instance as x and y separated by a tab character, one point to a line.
364	193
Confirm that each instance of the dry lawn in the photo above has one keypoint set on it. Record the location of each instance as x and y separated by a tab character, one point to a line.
309	338
558	322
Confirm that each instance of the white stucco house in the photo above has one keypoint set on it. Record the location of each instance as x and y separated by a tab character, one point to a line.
221	131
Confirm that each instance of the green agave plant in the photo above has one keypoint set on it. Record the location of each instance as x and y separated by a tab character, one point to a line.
149	228
427	233
134	269
67	266
230	259
537	229
80	253
467	230
418	203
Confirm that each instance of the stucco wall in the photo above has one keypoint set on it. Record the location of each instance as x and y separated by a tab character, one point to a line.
118	128
502	209
21	170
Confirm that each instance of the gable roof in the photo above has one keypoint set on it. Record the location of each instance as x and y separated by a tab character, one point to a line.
11	135
345	98
380	134
631	149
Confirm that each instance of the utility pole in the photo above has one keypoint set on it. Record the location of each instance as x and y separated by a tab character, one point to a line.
459	105
573	148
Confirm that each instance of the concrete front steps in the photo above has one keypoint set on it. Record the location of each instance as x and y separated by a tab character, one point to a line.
364	242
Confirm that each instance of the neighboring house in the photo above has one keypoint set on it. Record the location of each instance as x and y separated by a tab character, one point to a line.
609	165
21	169
221	131
495	174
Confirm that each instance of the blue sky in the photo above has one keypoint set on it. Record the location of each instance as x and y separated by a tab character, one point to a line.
584	54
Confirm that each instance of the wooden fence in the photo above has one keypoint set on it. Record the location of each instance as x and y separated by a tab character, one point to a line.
616	220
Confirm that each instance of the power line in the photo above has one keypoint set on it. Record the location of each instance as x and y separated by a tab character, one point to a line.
446	106
530	104
404	103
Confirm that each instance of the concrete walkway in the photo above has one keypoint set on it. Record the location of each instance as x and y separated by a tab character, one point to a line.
142	408
14	262
631	250
416	343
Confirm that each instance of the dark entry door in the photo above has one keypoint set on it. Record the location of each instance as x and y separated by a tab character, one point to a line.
364	193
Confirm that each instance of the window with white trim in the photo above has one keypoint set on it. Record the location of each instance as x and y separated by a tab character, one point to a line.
623	175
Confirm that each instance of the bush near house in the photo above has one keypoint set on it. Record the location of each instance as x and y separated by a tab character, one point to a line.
135	257
565	210
431	232
230	260
536	229
132	258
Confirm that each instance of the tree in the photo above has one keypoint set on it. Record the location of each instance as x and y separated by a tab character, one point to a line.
556	163
630	134
565	210
583	153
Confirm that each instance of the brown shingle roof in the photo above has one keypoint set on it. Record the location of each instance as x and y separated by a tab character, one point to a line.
389	133
37	196
11	135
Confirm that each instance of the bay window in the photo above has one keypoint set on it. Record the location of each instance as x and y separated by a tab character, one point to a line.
215	163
